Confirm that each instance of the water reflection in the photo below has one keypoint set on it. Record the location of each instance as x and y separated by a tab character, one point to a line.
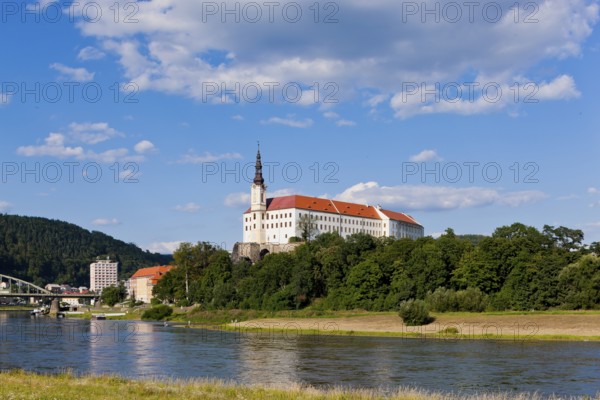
141	349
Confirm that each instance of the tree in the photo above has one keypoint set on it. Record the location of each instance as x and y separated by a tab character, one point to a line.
579	283
307	227
564	238
191	260
113	294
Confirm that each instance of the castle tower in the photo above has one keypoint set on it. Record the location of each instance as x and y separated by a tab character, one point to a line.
258	202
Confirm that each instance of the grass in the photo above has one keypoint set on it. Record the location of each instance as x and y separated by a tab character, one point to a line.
197	315
222	320
441	335
16	308
17	385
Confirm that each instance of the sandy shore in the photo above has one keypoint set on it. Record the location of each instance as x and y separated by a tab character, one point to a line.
528	326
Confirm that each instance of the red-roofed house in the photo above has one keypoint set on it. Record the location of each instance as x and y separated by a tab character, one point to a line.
276	220
144	280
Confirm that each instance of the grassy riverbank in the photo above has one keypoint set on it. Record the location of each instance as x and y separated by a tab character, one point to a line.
16	385
536	325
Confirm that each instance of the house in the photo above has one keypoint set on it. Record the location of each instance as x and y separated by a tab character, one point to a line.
144	280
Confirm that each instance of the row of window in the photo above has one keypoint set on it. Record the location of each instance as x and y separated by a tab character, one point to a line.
273	216
349	221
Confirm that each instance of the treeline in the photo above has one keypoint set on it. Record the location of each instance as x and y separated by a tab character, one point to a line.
517	268
42	251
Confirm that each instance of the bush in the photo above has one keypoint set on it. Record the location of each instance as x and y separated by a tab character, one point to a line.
157	313
447	300
442	300
472	300
414	312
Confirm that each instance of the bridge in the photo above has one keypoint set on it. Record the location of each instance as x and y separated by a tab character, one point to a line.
15	287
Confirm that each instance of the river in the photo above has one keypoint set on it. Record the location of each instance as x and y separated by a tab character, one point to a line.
142	349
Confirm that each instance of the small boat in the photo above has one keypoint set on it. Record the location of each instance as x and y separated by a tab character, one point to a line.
38	311
99	317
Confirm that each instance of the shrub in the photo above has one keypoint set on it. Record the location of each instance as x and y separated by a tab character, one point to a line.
472	300
414	313
157	313
442	300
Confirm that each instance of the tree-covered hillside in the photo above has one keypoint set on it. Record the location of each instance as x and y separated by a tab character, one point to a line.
43	251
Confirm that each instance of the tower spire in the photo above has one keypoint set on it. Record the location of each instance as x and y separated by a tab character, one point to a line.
258	177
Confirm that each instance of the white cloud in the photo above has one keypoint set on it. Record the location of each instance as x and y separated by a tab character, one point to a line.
54	146
57	145
92	133
188	208
106	222
90	53
487	94
594	205
237	118
5	206
292	123
73	74
169	51
567	197
433	198
593	190
164	247
282	193
144	146
237	199
5	98
345	122
192	158
331	115
517	199
426	155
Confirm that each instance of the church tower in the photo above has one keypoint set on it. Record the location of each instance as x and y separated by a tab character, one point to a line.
258	202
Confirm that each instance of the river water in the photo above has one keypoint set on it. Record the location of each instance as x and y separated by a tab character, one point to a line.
142	350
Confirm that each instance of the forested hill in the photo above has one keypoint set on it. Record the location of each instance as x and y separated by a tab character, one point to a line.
43	251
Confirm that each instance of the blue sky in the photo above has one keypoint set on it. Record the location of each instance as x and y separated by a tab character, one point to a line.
139	119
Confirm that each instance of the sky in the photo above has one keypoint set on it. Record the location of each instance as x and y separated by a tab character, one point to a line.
141	119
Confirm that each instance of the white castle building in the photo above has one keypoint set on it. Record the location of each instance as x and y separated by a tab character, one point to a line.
276	220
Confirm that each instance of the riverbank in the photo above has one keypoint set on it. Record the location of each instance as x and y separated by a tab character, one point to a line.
25	385
538	325
573	325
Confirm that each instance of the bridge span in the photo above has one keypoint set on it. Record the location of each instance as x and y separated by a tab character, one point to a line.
15	287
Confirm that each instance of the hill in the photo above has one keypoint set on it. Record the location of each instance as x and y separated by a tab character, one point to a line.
43	251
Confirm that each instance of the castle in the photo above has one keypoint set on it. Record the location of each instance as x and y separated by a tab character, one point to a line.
275	221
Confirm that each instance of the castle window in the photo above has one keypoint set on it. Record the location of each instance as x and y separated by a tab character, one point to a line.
254	215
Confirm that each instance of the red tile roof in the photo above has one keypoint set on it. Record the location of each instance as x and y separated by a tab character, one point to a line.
154	273
396	216
333	207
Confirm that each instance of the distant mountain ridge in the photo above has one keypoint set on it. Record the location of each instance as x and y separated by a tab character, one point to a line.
43	251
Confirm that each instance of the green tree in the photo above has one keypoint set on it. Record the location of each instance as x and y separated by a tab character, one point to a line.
113	294
307	227
579	283
191	260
